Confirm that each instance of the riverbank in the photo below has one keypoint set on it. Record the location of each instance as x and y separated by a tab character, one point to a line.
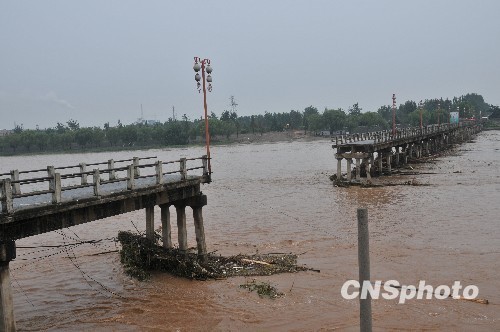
269	137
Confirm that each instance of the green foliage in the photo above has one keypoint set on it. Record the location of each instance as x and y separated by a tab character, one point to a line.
72	137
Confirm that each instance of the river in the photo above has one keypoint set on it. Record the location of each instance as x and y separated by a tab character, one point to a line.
277	197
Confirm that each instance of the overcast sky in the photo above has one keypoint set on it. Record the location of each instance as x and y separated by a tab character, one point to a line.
97	61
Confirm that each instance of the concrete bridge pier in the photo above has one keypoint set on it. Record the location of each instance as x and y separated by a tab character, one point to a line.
349	170
339	169
367	164
388	156
7	253
166	227
358	169
181	228
150	223
197	203
372	164
380	163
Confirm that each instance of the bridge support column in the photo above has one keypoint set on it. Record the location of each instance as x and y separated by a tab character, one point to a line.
389	161
380	164
7	253
372	163
181	228
166	228
397	156
150	223
339	169
349	161
200	233
197	203
367	163
358	169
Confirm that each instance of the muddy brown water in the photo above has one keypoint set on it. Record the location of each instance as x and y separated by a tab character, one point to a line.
278	198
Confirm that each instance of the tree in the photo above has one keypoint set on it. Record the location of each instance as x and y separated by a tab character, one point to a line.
385	112
315	122
234	118
334	119
73	124
18	129
295	119
308	113
354	110
495	112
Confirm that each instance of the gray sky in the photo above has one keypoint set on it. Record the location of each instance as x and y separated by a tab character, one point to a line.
96	61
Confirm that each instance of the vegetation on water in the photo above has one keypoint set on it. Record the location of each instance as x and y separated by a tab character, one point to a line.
71	137
264	289
140	256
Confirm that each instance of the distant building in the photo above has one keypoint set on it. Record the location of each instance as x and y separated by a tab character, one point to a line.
147	122
5	132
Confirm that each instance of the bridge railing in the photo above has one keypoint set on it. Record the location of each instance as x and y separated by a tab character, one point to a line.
10	188
384	136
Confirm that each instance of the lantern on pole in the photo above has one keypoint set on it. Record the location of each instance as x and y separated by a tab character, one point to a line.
204	67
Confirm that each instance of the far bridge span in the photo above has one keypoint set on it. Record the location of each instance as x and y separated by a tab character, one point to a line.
378	153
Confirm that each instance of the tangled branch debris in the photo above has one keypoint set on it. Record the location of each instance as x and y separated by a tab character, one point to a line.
140	256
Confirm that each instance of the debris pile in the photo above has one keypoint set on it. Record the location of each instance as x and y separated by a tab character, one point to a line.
140	256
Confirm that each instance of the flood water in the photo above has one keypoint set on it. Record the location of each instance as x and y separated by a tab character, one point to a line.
278	198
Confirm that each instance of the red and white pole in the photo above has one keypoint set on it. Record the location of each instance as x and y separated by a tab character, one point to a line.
393	114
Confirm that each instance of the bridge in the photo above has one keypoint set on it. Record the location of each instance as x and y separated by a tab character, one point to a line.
378	153
43	200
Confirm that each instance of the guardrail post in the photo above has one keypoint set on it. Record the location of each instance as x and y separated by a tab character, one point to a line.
111	166
54	184
83	169
204	160
365	305
16	187
97	182
183	169
7	203
159	172
136	167
55	187
130	177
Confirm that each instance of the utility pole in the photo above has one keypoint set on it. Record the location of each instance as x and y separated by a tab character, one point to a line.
420	107
439	113
233	104
393	114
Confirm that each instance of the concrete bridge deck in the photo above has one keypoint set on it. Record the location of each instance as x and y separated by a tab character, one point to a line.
30	207
65	203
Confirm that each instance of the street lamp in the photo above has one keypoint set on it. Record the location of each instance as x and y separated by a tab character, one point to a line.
204	66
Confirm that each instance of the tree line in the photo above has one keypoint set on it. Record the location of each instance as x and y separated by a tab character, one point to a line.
70	136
